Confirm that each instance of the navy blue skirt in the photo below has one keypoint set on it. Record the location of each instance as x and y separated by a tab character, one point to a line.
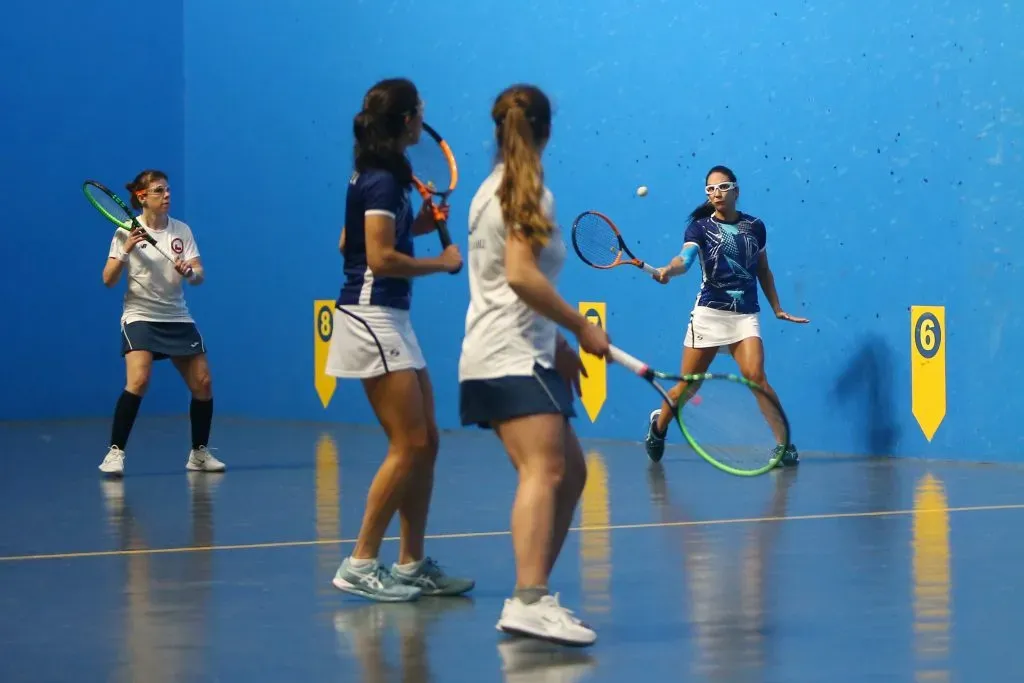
483	401
163	340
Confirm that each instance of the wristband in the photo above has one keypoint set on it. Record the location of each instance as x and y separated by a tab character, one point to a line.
688	255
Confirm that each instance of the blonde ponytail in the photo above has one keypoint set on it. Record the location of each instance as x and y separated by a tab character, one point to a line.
522	116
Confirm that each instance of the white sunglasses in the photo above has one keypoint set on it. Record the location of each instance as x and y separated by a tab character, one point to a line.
721	187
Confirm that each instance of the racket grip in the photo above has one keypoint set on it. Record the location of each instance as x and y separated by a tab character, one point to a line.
627	361
443	234
446	239
649	269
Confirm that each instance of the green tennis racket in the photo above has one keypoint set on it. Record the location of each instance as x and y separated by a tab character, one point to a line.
729	421
117	212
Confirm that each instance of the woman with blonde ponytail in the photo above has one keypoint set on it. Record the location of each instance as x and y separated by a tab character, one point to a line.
517	373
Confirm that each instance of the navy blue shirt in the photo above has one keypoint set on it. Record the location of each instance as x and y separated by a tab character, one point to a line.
375	192
729	257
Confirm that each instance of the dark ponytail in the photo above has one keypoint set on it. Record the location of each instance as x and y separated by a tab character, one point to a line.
380	127
703	211
706	208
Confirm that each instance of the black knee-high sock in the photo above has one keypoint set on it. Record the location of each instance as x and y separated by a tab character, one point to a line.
124	417
201	415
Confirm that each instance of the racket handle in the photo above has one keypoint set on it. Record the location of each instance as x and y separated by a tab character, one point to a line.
649	269
627	361
446	239
149	238
443	234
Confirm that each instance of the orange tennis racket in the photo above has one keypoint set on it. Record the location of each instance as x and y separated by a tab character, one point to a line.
599	243
435	176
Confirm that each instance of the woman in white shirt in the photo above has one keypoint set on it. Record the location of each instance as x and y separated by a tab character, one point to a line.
155	322
516	372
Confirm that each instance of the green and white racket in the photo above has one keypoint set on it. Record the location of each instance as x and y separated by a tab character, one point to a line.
117	212
729	421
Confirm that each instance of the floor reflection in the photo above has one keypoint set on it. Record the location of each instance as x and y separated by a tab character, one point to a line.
363	632
165	601
726	582
595	542
120	581
527	660
327	493
932	581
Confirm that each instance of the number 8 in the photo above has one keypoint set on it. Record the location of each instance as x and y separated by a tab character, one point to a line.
326	324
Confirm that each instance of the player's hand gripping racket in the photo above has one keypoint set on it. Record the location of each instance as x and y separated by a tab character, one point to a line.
732	423
435	176
599	243
117	212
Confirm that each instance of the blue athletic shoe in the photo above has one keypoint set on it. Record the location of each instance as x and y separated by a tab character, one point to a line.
373	583
789	458
654	444
431	579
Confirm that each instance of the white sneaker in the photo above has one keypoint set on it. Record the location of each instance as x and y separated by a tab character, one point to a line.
545	619
113	463
201	460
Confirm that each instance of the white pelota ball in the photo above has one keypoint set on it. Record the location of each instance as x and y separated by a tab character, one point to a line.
641	191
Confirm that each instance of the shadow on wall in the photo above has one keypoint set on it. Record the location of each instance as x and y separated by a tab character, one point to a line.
868	380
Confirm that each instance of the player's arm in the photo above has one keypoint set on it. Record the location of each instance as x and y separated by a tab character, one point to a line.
386	261
767	280
692	239
112	270
198	272
681	262
120	246
190	259
424	223
533	287
384	200
341	241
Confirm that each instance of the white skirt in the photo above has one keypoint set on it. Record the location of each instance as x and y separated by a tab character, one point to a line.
369	341
709	328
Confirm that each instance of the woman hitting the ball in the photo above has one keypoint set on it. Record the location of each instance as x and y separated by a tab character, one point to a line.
730	247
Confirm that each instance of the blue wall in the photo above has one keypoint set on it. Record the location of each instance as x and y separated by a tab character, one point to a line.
90	90
884	155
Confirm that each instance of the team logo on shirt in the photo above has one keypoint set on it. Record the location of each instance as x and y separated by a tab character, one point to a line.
177	246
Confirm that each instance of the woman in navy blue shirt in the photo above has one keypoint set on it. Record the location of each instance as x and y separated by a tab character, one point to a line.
730	247
373	341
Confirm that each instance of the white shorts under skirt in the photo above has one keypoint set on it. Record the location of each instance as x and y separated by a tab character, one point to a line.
709	328
369	341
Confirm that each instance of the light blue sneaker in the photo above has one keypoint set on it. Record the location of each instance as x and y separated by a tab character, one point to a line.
373	583
431	580
654	444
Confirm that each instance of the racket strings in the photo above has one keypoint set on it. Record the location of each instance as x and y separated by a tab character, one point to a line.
108	205
431	165
596	240
737	426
